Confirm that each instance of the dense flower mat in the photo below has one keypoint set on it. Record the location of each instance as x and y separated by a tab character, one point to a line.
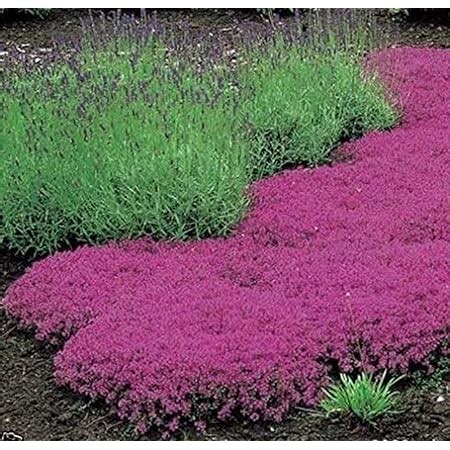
345	265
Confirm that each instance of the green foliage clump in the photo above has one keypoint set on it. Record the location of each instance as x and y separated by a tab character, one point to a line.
436	379
269	12
131	138
363	397
303	104
32	12
90	154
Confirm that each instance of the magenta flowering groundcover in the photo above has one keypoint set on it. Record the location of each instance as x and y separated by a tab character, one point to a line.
336	267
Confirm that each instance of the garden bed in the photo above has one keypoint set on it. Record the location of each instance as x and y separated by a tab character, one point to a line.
65	23
35	408
296	222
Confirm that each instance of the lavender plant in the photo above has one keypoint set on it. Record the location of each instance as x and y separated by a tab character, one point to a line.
308	94
118	143
141	133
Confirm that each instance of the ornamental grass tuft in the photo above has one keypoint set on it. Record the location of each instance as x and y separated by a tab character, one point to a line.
366	398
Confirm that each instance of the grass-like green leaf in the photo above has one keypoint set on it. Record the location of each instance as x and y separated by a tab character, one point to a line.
364	397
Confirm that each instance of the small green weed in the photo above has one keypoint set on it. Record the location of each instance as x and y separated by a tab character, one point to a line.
363	397
436	380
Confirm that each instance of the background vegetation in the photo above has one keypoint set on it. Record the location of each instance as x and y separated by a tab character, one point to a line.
137	134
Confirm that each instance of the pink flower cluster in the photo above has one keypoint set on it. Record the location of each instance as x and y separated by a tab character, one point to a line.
343	266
